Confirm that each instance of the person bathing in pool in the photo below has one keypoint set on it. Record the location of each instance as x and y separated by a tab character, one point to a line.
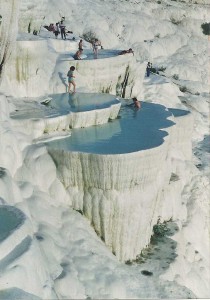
136	102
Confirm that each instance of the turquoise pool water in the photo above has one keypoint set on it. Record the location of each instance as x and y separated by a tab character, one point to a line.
79	102
62	104
10	219
132	131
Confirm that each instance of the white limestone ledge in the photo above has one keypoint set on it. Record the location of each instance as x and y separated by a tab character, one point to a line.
121	193
110	73
38	67
170	201
117	193
26	73
63	112
184	130
59	45
32	62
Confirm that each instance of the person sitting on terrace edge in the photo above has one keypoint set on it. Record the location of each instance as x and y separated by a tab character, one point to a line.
51	27
126	51
77	55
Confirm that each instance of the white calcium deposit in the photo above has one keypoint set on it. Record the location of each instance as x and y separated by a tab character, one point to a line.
69	220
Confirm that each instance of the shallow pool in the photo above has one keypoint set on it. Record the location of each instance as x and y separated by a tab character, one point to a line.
132	131
10	219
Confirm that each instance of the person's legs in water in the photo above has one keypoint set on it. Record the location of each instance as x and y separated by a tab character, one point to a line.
96	52
63	34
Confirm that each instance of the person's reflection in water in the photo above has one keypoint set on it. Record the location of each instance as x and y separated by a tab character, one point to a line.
71	101
74	102
135	112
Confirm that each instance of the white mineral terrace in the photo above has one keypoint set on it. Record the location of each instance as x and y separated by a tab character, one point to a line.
116	173
26	74
63	111
86	176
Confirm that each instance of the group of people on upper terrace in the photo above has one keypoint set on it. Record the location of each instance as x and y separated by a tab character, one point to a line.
95	45
60	28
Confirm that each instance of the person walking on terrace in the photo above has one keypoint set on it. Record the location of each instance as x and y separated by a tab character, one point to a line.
71	77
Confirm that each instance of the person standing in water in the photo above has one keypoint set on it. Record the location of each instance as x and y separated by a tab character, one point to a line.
80	45
148	69
71	77
96	43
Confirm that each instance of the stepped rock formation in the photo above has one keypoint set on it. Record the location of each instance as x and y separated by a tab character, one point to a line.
124	194
120	194
26	75
63	112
